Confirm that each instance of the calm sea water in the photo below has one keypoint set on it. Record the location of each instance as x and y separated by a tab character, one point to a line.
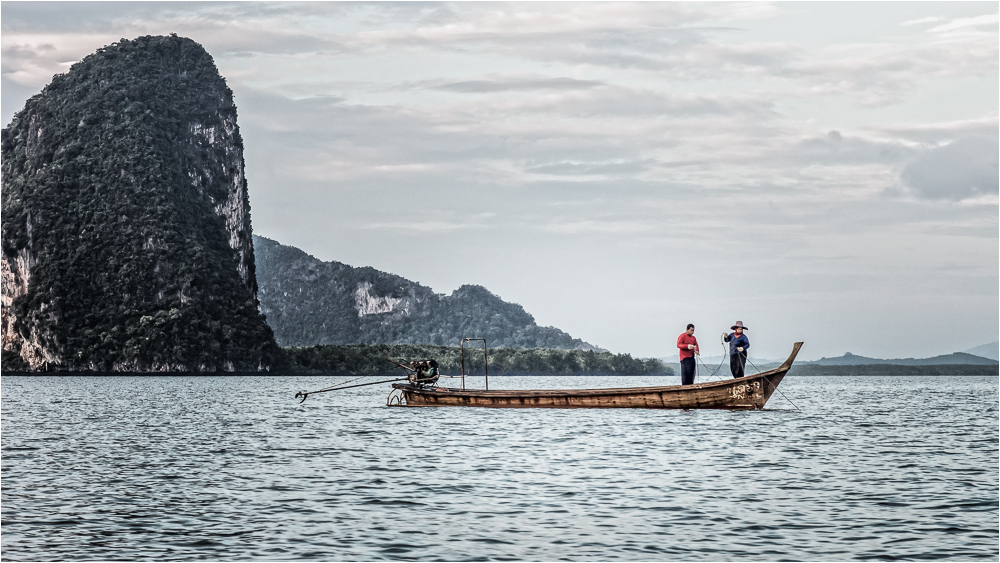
233	468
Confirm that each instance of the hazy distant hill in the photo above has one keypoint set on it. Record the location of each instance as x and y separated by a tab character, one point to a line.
309	302
958	358
991	351
959	363
894	369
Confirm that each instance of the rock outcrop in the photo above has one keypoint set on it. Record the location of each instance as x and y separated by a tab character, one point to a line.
127	242
308	302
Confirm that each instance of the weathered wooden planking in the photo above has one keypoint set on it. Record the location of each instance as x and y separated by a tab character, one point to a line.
750	392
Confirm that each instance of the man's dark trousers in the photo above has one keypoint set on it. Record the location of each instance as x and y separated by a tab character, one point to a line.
687	371
738	364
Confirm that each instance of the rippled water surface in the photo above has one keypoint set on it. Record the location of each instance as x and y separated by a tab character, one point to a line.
233	468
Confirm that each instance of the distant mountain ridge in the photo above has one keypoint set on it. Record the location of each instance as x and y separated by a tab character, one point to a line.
958	358
310	302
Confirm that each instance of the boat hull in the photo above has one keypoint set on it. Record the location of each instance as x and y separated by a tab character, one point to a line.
750	392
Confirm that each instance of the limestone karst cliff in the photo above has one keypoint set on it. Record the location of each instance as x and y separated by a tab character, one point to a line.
308	302
126	222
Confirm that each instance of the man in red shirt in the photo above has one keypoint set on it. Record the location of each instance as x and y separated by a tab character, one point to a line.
688	346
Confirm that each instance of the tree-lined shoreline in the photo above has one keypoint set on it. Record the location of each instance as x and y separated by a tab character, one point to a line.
895	369
361	359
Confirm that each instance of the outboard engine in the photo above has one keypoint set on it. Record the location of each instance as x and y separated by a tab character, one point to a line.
424	372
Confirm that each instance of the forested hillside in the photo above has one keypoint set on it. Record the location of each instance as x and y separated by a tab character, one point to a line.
126	222
309	302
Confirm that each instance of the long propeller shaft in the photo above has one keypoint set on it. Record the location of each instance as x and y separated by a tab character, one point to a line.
305	394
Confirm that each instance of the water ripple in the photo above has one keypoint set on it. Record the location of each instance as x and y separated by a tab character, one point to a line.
233	468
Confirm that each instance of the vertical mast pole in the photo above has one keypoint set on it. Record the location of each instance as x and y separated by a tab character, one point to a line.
486	362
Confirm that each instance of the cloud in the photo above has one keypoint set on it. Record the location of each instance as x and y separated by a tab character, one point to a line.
599	226
965	168
643	103
612	131
32	60
984	23
920	21
881	73
591	168
689	41
507	84
834	149
939	133
425	226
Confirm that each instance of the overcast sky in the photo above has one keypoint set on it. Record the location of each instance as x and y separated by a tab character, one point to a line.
825	172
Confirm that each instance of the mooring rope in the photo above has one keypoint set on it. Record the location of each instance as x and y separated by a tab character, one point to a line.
773	388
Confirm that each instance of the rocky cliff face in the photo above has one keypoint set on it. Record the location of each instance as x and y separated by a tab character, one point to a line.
308	302
15	273
127	242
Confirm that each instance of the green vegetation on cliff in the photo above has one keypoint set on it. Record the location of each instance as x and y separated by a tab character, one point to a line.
360	359
119	180
309	302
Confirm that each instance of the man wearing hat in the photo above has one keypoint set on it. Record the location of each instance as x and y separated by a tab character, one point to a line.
738	346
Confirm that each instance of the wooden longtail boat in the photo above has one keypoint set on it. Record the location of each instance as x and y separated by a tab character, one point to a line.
749	392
